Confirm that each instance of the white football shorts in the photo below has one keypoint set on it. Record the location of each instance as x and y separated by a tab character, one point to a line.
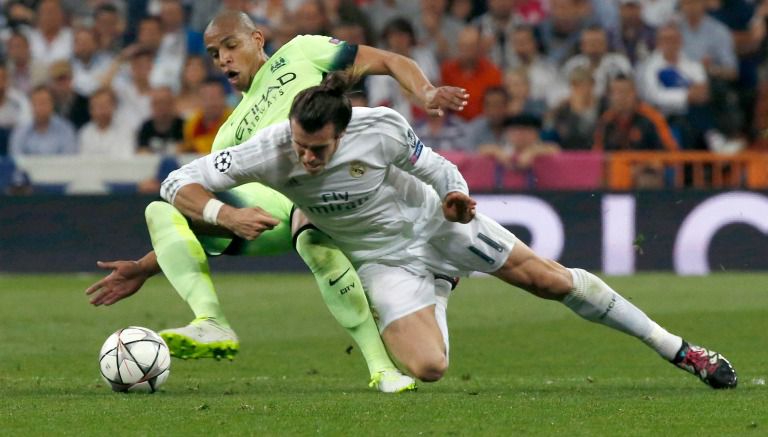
456	249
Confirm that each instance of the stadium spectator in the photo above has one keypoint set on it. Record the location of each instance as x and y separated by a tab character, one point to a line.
758	30
446	133
348	12
189	100
381	12
149	33
605	13
24	72
51	39
399	37
523	133
19	184
109	26
632	37
520	99
594	56
561	32
471	70
531	12
68	103
18	16
572	123
178	41
631	124
89	64
707	40
47	133
200	129
14	105
496	26
133	88
543	76
106	135
163	133
657	13
14	110
488	128
311	18
678	87
283	32
746	21
461	10
437	31
352	32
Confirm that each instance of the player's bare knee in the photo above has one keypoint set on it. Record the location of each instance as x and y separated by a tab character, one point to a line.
429	370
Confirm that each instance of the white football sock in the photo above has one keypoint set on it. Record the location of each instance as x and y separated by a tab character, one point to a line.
594	300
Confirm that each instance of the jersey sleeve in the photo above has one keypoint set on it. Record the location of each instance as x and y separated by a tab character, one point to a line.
407	152
326	53
220	171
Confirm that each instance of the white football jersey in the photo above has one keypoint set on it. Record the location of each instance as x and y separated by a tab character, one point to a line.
366	198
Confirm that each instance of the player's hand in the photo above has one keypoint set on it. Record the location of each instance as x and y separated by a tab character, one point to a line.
247	223
458	207
445	97
126	278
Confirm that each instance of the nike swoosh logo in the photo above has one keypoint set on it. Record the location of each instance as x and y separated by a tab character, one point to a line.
333	282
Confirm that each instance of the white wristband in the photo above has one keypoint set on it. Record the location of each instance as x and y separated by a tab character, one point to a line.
211	211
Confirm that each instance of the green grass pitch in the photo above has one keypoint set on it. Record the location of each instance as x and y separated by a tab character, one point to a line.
519	365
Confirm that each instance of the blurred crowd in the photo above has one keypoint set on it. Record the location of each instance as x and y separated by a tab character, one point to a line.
123	77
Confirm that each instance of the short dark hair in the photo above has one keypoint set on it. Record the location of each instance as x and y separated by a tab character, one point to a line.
497	90
399	24
106	8
316	106
523	120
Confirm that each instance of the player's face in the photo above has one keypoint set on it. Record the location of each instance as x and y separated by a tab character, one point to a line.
238	54
314	149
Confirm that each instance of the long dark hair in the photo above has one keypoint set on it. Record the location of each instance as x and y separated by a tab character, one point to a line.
316	106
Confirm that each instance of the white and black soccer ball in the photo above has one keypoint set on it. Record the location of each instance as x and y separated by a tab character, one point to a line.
135	359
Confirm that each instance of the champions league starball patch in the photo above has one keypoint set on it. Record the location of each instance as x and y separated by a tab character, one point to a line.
223	161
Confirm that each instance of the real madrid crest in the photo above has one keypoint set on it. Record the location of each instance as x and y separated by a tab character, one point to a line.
357	169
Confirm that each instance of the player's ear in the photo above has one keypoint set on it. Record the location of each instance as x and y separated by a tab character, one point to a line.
258	37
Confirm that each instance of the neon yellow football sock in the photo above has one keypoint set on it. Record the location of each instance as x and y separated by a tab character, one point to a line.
343	293
183	260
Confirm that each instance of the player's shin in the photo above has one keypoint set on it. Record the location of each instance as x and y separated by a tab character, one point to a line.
343	293
594	300
183	260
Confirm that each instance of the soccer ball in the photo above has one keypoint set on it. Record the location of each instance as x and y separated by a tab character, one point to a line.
135	359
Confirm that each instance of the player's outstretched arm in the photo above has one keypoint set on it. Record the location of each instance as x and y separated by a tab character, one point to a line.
197	203
408	74
125	279
458	207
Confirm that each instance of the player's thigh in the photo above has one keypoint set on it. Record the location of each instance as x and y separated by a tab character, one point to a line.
272	242
394	292
481	245
417	342
541	276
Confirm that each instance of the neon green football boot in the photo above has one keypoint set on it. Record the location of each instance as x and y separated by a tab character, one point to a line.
203	338
392	381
